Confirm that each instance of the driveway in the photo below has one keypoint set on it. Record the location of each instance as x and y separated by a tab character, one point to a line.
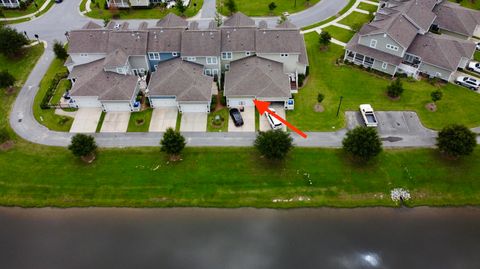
163	118
193	122
115	122
248	116
264	125
86	120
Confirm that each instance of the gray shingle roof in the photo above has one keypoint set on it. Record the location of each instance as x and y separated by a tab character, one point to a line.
88	41
257	77
441	51
115	59
182	79
201	43
353	45
286	25
239	20
164	40
457	19
132	42
172	21
278	41
91	25
91	80
238	39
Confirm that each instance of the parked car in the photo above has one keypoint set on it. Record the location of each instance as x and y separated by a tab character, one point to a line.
474	66
468	82
58	1
478	45
368	115
274	122
236	117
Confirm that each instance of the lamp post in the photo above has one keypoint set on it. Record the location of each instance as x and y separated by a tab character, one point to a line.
339	104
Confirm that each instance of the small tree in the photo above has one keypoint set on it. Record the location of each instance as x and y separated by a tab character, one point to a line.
172	143
83	146
456	140
231	6
11	41
274	144
325	38
106	20
282	19
218	19
320	97
6	79
395	89
60	50
272	6
436	95
180	6
363	143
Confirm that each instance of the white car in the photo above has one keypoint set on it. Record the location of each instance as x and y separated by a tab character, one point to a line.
478	45
474	66
274	122
368	115
468	82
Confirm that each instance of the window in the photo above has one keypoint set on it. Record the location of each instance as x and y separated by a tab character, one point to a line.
284	55
227	67
226	56
154	56
208	72
211	60
373	43
191	59
392	47
83	54
120	70
135	72
214	72
248	53
384	65
174	54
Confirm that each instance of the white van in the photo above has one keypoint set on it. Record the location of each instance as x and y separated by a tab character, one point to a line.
274	122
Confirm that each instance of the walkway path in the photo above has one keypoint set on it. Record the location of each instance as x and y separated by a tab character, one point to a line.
31	15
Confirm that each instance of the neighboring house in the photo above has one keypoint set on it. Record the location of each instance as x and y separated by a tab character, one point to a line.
181	84
142	3
453	19
397	41
118	3
10	3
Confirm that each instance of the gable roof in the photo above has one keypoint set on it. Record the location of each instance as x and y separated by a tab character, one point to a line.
457	19
132	42
172	21
182	79
115	59
92	80
281	41
353	45
441	51
88	41
238	39
164	40
239	19
257	77
201	43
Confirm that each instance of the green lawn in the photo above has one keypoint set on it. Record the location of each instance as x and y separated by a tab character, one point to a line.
63	86
47	117
345	9
224	125
476	56
16	12
20	68
368	7
140	13
360	86
260	7
83	5
140	121
474	4
338	33
356	19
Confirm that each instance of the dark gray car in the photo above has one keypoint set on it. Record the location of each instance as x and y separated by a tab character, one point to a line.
236	117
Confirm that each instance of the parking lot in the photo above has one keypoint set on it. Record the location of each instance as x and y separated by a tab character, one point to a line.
248	116
86	120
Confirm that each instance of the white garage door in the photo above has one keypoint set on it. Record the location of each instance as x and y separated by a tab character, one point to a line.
87	102
236	102
194	108
120	106
156	102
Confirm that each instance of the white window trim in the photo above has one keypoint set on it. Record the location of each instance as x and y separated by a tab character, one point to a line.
212	60
154	56
227	67
215	72
208	72
384	65
191	59
391	47
120	70
174	54
284	55
227	55
373	43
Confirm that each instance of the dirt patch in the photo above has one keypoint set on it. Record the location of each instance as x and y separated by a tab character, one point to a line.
323	48
89	158
10	90
318	108
219	105
431	107
392	98
7	145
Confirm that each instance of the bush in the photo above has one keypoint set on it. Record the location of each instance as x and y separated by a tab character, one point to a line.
274	144
60	50
4	136
320	97
325	38
11	41
456	140
395	89
436	95
272	6
45	104
363	143
6	79
301	78
172	142
82	145
231	6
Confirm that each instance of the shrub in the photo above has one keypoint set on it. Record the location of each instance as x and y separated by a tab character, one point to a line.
363	143
325	38
320	97
456	140
180	6
82	145
274	144
60	50
4	135
6	79
172	142
272	6
436	95
395	89
231	6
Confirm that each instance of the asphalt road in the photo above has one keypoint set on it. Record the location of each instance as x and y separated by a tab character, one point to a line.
441	238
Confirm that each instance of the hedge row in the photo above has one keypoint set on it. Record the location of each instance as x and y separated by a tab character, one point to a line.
45	104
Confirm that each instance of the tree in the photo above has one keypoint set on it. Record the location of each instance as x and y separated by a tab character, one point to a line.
106	20
83	145
180	6
395	89
11	41
218	19
363	143
456	140
172	143
60	50
6	79
272	6
274	144
231	6
282	19
325	38
320	97
436	95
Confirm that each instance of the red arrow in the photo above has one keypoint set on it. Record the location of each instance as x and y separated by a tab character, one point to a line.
263	107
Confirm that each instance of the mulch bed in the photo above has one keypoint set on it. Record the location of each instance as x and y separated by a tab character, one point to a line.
7	145
219	105
10	90
318	108
89	158
431	107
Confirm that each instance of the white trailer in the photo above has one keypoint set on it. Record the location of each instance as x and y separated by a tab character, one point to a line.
368	115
